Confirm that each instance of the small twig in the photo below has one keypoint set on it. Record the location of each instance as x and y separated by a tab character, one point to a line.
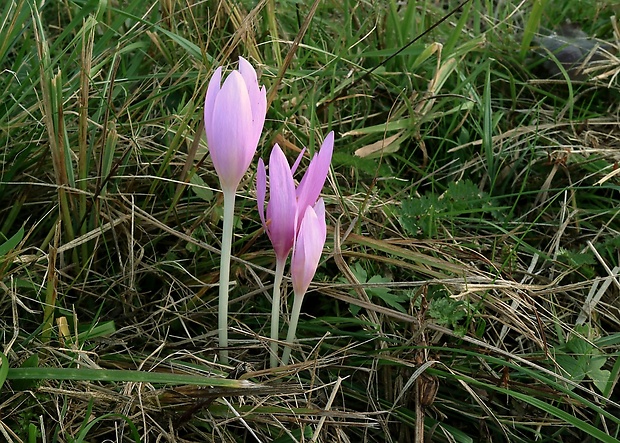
243	422
330	400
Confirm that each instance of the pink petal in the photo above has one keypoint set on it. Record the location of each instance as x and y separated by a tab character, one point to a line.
261	191
297	161
229	136
282	204
313	180
212	91
249	74
307	250
319	209
258	98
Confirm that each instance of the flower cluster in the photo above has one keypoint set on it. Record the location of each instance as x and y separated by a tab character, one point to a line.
294	218
288	207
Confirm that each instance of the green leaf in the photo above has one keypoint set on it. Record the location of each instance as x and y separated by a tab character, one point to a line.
578	345
391	299
8	245
132	427
354	309
359	272
24	385
424	215
590	430
418	216
200	188
447	311
4	368
572	368
115	375
600	378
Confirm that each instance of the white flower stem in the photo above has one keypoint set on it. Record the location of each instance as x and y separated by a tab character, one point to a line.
275	312
292	327
227	233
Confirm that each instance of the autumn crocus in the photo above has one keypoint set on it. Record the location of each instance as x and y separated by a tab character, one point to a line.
286	209
234	117
306	255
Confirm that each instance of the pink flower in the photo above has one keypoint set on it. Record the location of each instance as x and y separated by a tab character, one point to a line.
308	247
287	205
282	205
234	118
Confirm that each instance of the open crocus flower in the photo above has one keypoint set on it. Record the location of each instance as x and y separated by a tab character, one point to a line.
234	118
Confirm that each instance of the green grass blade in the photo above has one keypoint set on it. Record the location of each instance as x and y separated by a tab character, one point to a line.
4	369
531	26
117	375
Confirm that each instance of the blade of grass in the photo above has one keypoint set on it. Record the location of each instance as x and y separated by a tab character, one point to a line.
531	26
4	369
120	375
487	129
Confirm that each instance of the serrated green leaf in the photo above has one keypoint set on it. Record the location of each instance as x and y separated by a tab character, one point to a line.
391	300
359	272
447	311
